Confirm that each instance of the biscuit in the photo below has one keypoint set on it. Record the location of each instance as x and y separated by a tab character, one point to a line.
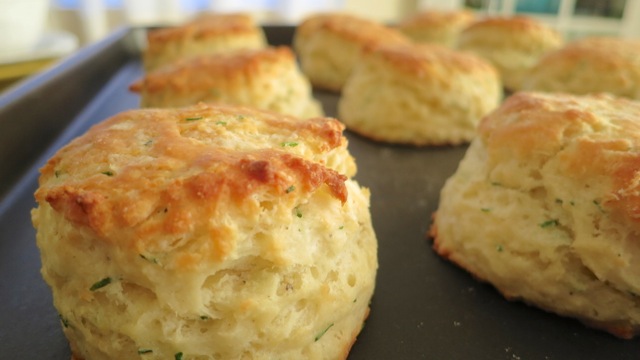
419	95
209	33
266	78
590	65
512	44
211	231
329	45
437	27
549	196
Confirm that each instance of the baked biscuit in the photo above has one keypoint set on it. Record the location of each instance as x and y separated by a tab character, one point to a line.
329	45
513	44
209	33
437	27
590	65
544	206
419	95
212	231
266	78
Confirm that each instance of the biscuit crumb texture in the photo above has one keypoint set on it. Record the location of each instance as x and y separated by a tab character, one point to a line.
208	33
512	44
419	95
544	206
329	45
267	79
215	232
589	66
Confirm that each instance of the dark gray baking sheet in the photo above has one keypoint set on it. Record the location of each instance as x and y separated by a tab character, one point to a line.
423	308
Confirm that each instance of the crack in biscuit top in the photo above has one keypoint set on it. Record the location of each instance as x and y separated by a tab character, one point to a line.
147	172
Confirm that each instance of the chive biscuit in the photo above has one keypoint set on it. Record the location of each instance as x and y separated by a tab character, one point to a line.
589	65
437	27
207	232
419	95
544	206
268	79
512	44
209	33
329	45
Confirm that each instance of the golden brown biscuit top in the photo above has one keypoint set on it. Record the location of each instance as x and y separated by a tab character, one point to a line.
424	59
439	19
595	139
205	71
520	31
144	177
599	52
205	25
353	28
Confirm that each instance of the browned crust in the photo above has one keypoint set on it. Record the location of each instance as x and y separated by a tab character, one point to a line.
514	23
427	60
187	182
548	123
203	26
518	33
349	27
438	19
602	54
204	72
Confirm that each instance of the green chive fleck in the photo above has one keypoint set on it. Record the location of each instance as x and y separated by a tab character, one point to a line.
204	317
548	223
572	203
153	260
499	248
240	117
223	123
341	227
148	143
289	143
485	210
178	356
108	173
494	183
559	201
597	203
323	332
56	173
290	189
64	321
144	351
194	118
102	283
298	213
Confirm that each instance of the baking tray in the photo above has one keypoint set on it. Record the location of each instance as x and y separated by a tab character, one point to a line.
423	308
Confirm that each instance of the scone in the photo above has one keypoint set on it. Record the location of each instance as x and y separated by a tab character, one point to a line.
513	44
329	46
590	65
437	27
207	232
419	95
545	206
266	78
210	33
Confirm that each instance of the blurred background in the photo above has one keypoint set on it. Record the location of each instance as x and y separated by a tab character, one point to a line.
34	33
